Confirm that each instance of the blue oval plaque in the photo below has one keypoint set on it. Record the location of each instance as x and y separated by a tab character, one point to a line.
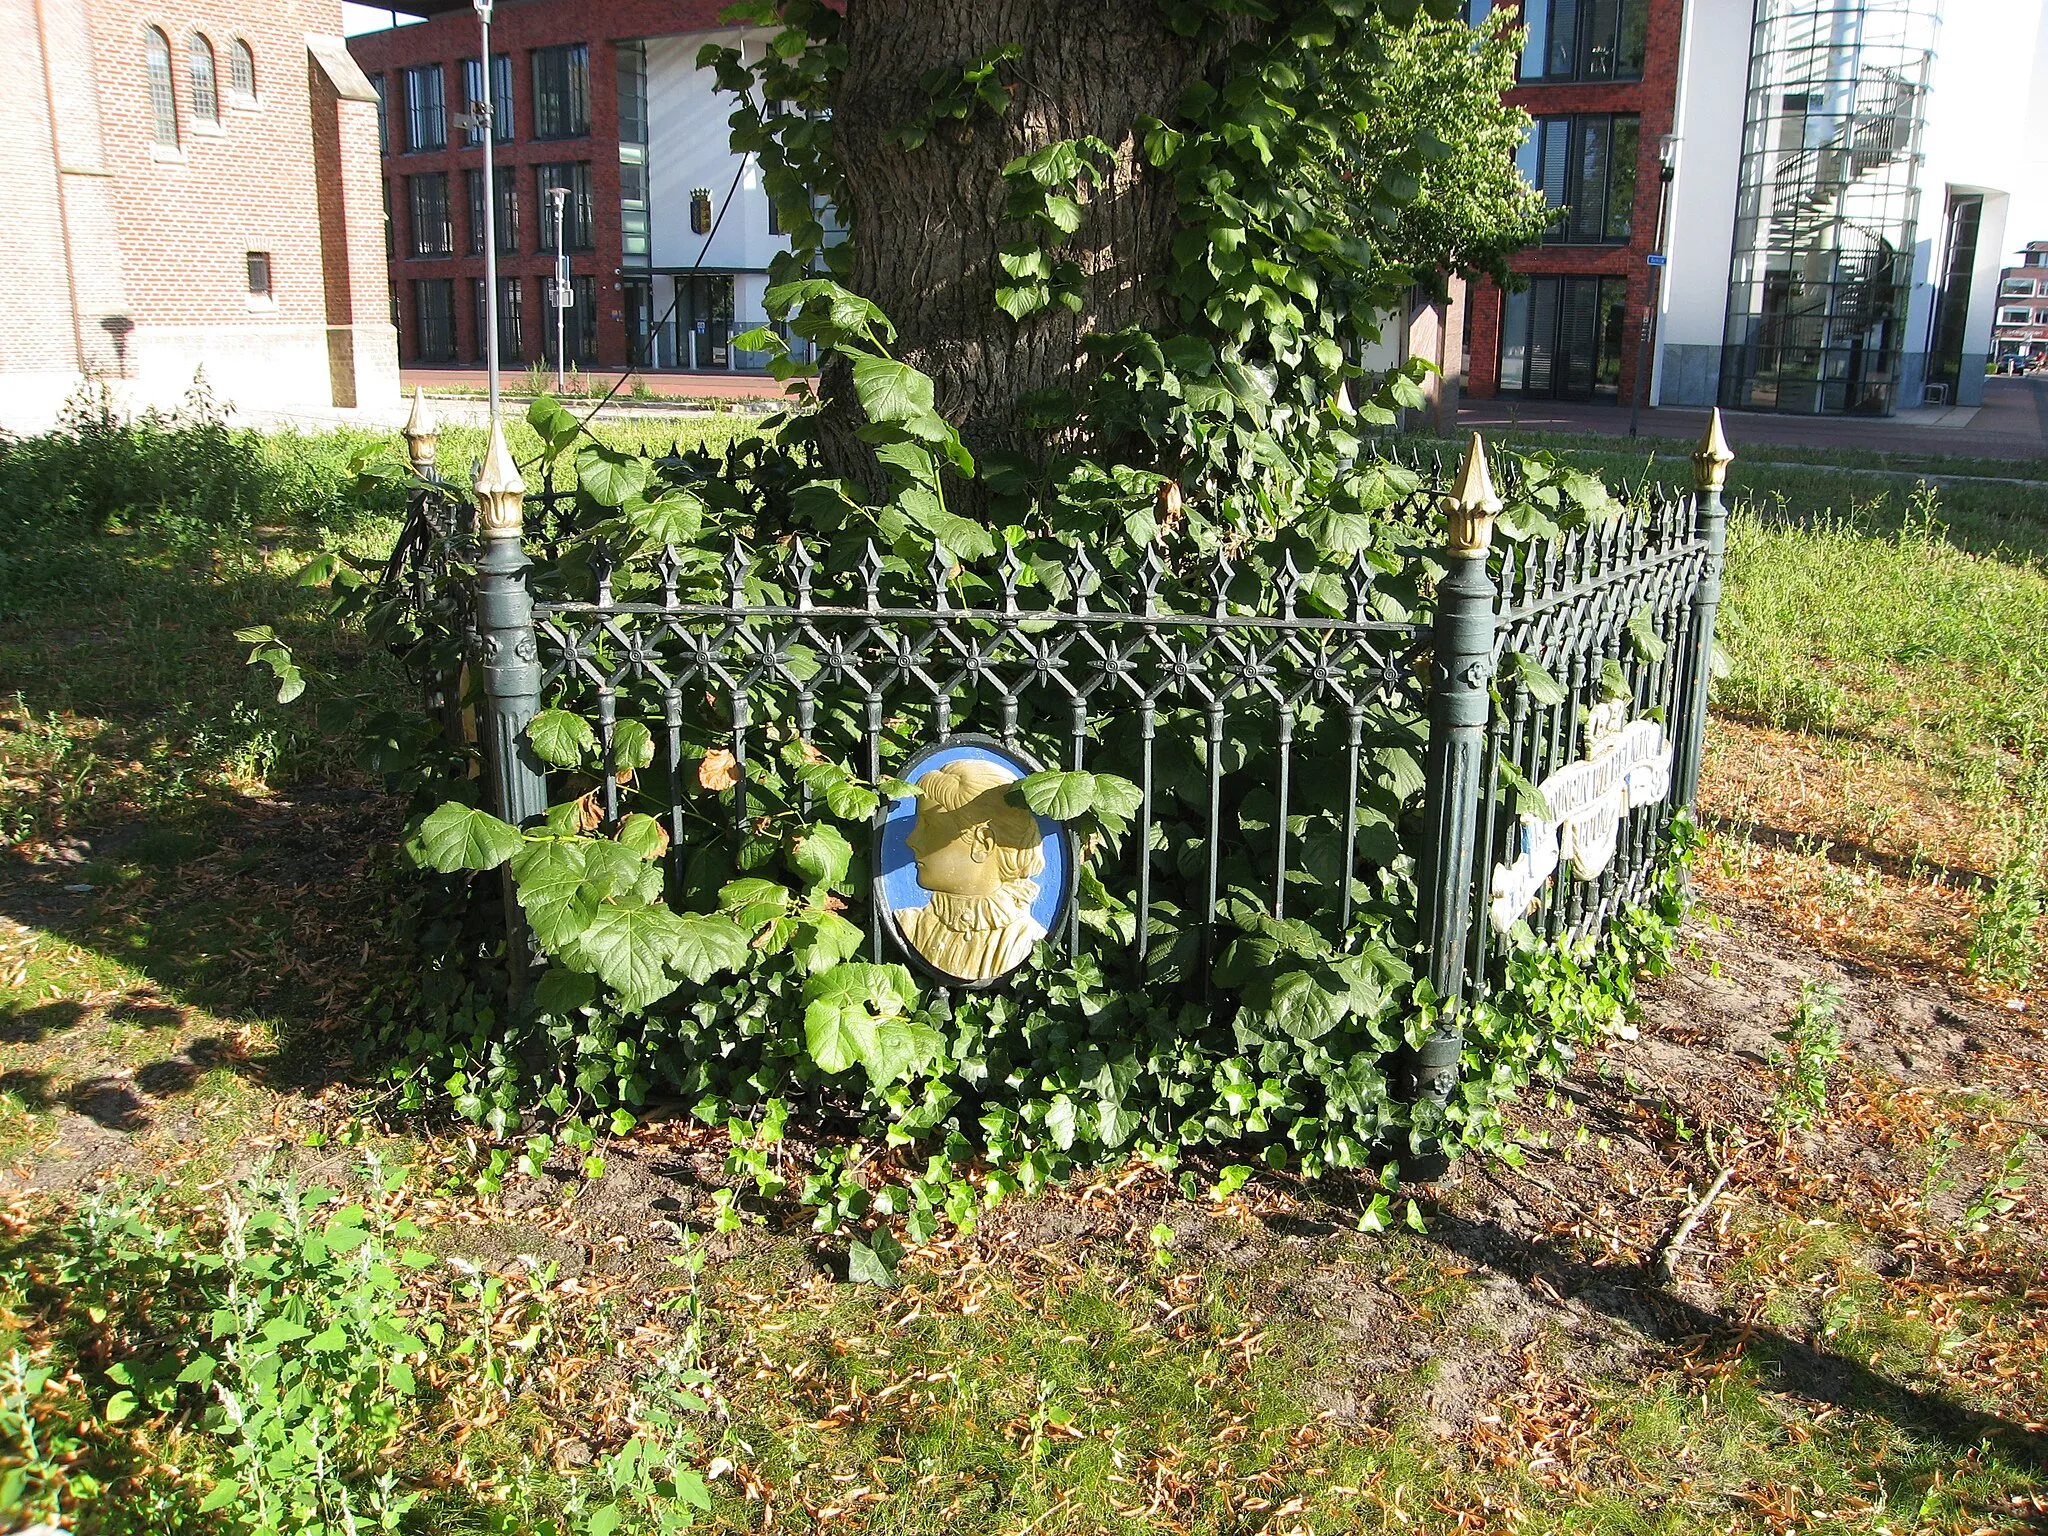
970	879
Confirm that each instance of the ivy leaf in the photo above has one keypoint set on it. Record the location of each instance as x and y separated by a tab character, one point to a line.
561	737
845	799
675	519
873	1264
1297	1004
853	1016
824	939
555	427
1613	681
821	856
1525	669
643	835
463	837
1062	796
1529	798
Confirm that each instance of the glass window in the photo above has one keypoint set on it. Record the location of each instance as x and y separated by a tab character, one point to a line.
632	93
2041	317
507	186
259	274
576	213
501	100
433	302
1563	337
383	119
242	77
511	322
2022	286
205	97
426	109
1584	39
433	232
163	98
561	92
1585	166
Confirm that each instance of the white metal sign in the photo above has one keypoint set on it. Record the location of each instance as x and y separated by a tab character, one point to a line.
1627	764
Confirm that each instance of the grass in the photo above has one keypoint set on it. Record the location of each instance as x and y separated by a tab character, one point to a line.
190	952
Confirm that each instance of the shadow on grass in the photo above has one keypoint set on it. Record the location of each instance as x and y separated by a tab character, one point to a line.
1630	1297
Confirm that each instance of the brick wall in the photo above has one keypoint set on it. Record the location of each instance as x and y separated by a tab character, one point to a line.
517	30
155	240
1654	99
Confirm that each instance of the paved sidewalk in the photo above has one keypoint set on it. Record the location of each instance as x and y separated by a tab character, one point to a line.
2011	424
673	386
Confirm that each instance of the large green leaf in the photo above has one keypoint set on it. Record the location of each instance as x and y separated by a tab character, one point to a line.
853	1016
630	947
463	837
706	946
1062	796
677	518
561	737
1299	1005
890	391
1521	667
821	856
609	477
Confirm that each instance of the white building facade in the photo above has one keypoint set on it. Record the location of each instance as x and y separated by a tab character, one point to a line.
1841	206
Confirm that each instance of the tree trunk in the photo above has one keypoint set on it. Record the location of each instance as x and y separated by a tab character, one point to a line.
928	222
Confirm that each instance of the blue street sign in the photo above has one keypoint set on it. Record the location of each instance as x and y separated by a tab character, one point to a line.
1656	258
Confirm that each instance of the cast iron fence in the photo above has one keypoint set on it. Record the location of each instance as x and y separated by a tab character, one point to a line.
1533	655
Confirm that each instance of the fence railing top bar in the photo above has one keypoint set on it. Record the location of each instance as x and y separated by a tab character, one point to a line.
998	617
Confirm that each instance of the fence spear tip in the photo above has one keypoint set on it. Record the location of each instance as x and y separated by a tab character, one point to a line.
500	491
1711	459
1471	504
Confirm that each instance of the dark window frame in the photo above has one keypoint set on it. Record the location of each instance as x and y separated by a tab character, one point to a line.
425	316
426	120
1563	152
578	218
262	278
1584	40
561	92
242	72
433	228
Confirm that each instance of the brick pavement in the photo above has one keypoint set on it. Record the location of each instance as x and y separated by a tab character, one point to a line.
2011	424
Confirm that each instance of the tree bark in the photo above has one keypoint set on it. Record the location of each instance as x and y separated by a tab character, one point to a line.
928	222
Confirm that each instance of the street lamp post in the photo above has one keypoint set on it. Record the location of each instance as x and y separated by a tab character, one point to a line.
1667	156
487	118
559	196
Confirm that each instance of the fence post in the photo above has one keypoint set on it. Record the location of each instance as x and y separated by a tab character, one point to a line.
1710	463
511	667
1461	669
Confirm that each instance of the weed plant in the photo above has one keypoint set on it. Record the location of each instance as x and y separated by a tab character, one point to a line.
1813	1042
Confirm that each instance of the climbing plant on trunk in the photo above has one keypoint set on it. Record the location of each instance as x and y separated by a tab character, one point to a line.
1157	234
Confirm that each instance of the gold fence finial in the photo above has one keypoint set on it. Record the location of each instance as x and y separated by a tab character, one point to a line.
422	431
500	492
1471	504
1711	459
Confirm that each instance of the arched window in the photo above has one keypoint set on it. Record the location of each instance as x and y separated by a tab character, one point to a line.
243	64
205	97
163	99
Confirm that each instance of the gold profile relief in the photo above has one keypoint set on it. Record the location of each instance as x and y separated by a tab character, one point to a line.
980	857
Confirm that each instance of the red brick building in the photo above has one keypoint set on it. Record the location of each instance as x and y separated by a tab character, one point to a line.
571	96
190	184
1600	78
2019	334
